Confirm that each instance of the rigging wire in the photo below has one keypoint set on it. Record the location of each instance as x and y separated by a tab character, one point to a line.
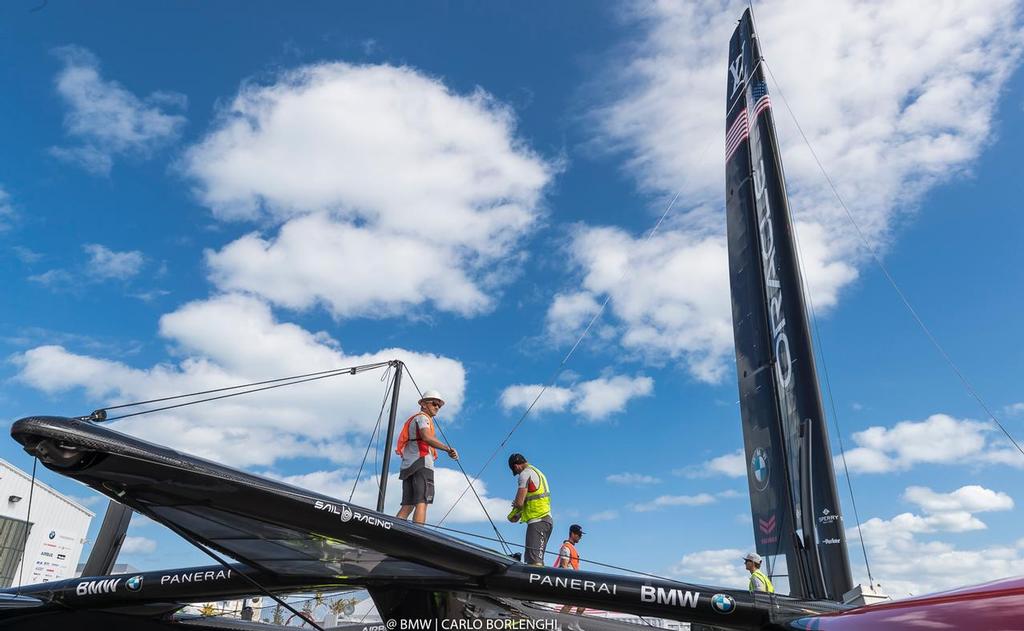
391	380
832	403
561	365
28	526
504	545
889	277
100	414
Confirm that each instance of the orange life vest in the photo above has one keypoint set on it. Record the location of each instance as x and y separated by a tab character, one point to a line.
574	557
404	438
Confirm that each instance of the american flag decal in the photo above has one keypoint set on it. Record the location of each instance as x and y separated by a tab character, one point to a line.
759	94
737	134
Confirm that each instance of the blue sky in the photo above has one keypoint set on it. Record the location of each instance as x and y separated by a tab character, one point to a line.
196	196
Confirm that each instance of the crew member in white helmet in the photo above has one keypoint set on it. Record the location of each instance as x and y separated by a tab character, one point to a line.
418	447
759	581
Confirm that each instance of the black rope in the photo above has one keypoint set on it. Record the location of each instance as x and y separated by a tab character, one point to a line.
391	376
28	526
466	475
100	415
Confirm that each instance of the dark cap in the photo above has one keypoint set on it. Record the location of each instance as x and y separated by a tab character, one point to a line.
515	459
576	529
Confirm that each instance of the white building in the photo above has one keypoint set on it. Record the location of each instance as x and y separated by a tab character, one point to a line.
57	527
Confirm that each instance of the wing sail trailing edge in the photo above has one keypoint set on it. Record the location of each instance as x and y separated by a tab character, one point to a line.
793	497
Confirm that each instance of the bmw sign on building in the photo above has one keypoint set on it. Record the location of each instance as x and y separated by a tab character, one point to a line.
51	549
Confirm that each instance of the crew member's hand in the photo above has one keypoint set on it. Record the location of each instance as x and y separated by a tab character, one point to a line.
454	454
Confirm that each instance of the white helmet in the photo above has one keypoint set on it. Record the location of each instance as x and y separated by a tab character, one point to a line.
431	394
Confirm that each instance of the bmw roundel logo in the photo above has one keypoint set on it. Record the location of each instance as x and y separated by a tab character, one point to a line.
723	603
759	468
346	513
53	534
134	584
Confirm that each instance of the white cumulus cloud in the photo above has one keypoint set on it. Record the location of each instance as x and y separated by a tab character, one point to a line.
138	545
396	195
594	400
891	542
938	439
971	498
105	263
231	339
713	567
554	399
107	118
733	465
632	479
665	501
605	515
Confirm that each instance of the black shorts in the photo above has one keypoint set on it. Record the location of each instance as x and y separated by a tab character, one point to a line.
418	488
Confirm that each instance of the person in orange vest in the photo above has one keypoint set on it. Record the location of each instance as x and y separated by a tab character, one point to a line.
418	447
569	558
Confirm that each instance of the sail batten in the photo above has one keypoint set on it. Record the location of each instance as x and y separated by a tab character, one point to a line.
794	503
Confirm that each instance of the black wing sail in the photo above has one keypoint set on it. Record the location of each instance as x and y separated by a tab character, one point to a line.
287	536
795	508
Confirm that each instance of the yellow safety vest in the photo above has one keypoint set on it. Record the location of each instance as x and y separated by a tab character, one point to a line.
538	503
764	579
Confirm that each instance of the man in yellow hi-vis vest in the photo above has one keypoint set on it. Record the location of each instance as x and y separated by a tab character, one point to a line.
759	581
532	506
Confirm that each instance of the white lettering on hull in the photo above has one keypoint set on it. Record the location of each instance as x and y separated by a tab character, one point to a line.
577	584
670	596
194	577
776	319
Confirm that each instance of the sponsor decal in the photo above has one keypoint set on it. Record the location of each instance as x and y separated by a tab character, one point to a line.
578	584
767	527
760	468
346	514
61	557
53	534
134	584
736	70
106	586
723	603
671	596
831	542
828	517
326	506
773	288
194	577
46	554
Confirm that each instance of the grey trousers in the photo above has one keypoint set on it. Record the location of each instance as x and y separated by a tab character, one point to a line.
537	535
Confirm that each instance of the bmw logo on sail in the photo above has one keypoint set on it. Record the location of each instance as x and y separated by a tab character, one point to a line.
723	603
759	468
134	584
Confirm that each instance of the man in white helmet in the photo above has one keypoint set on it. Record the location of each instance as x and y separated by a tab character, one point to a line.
759	581
418	447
